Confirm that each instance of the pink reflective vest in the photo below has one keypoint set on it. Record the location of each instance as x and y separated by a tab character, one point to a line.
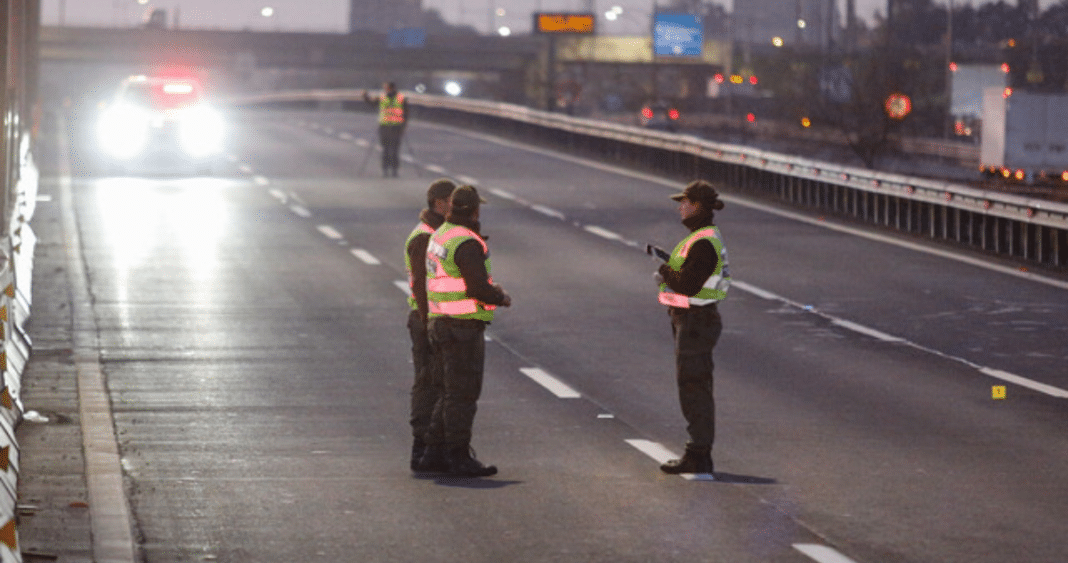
446	290
715	287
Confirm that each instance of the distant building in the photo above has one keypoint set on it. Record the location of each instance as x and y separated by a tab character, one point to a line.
384	15
804	22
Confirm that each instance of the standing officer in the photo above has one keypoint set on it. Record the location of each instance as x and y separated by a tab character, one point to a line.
424	394
693	280
461	298
392	119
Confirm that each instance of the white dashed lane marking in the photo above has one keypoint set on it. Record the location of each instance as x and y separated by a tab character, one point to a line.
364	256
436	169
467	180
548	211
554	385
403	286
299	210
330	232
603	233
822	553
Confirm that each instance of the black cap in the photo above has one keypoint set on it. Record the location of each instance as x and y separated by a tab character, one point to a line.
439	189
465	198
699	191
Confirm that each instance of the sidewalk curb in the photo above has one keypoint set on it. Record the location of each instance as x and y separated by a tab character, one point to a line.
108	507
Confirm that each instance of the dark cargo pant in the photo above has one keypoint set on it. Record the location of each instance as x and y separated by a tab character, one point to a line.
461	348
390	138
696	332
424	394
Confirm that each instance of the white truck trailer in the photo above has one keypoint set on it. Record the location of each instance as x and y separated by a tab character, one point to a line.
1025	136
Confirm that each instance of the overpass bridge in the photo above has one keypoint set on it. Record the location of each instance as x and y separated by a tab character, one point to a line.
76	60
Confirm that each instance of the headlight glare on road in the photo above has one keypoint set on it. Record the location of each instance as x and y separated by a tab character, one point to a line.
202	131
123	130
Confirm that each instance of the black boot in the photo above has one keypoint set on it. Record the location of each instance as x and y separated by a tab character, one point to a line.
435	460
697	459
462	463
418	446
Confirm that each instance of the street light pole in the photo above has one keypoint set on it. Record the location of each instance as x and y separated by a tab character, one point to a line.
949	69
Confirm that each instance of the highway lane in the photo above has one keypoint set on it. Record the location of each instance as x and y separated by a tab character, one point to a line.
259	371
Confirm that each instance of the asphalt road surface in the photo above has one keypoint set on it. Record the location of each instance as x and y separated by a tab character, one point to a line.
252	341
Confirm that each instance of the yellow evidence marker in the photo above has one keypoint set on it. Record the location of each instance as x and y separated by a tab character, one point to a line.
998	392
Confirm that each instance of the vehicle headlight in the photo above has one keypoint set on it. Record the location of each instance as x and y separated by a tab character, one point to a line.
123	130
202	131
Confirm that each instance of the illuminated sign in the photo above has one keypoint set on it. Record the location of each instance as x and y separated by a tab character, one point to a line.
677	35
563	23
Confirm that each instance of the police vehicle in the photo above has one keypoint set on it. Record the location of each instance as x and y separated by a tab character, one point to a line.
160	122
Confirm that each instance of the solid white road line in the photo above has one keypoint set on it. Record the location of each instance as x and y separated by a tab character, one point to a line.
330	232
365	256
878	335
554	385
1024	382
822	553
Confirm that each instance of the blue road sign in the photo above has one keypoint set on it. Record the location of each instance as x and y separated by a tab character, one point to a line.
677	35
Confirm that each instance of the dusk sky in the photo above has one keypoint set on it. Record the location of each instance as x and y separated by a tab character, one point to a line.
332	15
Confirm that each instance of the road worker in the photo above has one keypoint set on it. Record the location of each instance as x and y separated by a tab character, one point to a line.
424	393
392	120
692	282
461	299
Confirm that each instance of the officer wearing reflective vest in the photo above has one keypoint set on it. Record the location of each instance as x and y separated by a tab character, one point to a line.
424	393
692	282
392	119
461	299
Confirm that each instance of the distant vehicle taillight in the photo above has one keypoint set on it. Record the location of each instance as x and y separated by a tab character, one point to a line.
647	112
673	114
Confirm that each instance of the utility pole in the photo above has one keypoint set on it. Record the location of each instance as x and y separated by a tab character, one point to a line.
949	70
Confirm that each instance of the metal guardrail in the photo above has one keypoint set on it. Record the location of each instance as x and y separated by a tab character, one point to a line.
1031	230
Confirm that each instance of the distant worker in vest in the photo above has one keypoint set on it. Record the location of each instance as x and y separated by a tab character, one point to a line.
461	299
392	120
427	370
692	281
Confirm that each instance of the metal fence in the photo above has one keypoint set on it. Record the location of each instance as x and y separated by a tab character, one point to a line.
1033	231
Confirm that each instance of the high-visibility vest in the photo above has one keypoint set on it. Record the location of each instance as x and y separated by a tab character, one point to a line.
446	291
715	287
391	110
420	229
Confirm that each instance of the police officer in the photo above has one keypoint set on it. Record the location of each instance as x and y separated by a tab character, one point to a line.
693	281
424	394
392	119
461	298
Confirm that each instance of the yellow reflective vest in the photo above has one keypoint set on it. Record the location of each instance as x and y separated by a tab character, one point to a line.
391	110
715	287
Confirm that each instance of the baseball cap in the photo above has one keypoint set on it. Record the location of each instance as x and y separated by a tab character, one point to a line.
698	191
466	198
